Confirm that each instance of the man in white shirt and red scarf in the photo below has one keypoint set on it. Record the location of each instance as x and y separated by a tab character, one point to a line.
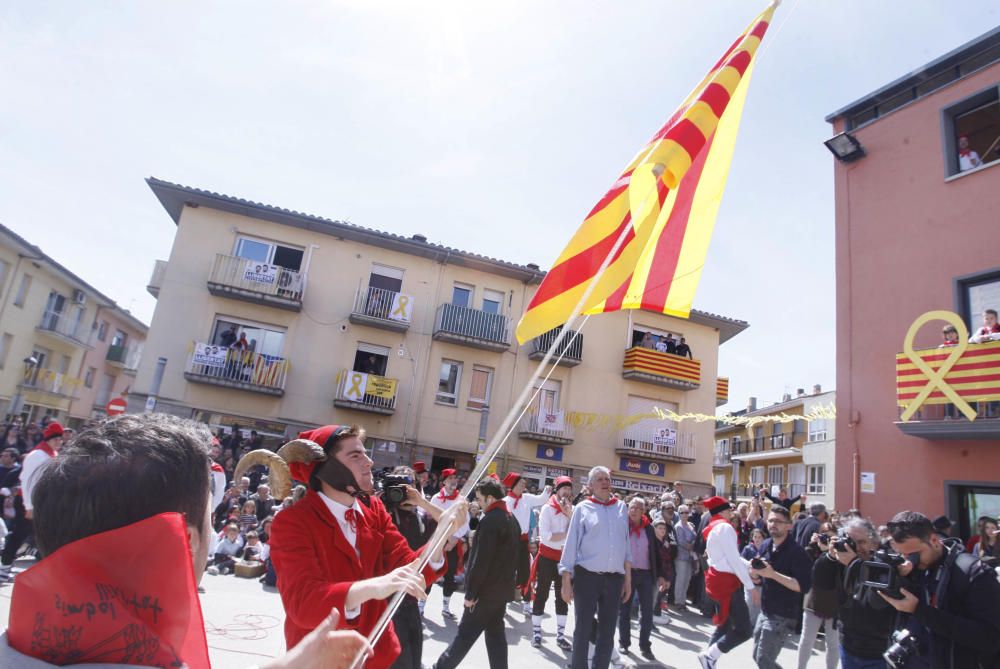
455	548
728	574
520	504
553	523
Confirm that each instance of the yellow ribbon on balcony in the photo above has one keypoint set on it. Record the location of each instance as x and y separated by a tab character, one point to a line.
935	377
400	302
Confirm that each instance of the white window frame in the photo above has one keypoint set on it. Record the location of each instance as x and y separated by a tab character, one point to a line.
88	378
817	434
247	323
272	245
813	487
446	398
477	403
4	268
757	475
464	286
488	294
774	468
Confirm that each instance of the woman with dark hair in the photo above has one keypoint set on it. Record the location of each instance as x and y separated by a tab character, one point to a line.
988	545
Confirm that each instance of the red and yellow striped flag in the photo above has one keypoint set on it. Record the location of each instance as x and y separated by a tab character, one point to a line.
664	203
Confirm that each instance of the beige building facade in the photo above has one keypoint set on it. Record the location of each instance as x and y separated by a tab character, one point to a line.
57	338
276	321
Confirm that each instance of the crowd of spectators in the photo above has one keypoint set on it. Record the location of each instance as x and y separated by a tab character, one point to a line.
666	344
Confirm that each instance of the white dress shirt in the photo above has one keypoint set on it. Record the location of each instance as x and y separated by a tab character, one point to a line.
552	522
525	503
30	467
444	504
724	554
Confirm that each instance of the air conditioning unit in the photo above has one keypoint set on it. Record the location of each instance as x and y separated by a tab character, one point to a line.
79	297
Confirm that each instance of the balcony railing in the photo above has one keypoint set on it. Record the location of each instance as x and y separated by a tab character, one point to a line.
973	377
721	459
156	279
67	326
472	327
570	348
124	357
382	308
546	428
365	392
256	282
235	368
662	369
721	391
748	489
657	444
51	383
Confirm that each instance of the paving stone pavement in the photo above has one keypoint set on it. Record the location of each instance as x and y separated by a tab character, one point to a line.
243	624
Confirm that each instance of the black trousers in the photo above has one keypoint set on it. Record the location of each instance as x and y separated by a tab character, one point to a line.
23	528
737	627
410	630
547	573
485	618
448	585
523	564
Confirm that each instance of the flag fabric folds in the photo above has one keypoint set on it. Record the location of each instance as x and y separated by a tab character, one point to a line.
661	210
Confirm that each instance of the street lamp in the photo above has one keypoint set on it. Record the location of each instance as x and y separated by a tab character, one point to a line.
29	365
845	147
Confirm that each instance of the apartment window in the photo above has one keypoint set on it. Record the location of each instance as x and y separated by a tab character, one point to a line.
119	339
492	301
756	475
5	344
4	266
41	357
268	340
650	337
976	293
776	475
779	436
64	363
721	445
817	480
448	382
482	382
736	444
817	429
272	253
102	331
970	128
88	378
461	295
22	290
371	359
385	278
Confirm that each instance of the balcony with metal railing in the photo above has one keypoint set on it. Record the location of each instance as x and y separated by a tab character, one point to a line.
747	490
48	382
67	327
662	369
366	392
381	308
657	445
241	370
769	447
721	459
256	282
571	348
546	428
472	327
721	391
125	357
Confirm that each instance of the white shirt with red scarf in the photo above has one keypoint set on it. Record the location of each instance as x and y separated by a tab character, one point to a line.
444	501
520	506
30	467
552	520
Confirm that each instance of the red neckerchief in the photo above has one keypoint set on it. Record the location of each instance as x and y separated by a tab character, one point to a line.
351	516
554	503
516	498
44	446
498	505
216	467
637	530
964	152
718	520
447	498
611	500
79	606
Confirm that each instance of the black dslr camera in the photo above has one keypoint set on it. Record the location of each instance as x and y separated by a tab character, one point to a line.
881	573
758	563
392	487
904	646
841	544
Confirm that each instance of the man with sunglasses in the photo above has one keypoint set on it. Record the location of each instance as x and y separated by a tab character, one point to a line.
951	604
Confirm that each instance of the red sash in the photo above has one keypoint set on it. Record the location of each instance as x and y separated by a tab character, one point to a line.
79	605
720	586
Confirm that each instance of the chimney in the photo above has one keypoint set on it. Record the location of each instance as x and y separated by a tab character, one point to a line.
752	404
419	238
799	392
817	389
786	397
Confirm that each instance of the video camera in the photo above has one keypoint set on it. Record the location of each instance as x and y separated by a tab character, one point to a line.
392	487
758	563
881	573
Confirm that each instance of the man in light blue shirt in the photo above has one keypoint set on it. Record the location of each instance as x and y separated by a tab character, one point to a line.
596	568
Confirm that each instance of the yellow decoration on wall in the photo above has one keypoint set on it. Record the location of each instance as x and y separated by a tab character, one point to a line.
935	377
589	421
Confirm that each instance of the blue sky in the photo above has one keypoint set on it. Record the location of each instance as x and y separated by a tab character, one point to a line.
491	128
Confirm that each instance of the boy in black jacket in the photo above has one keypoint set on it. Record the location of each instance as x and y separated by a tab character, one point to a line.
489	581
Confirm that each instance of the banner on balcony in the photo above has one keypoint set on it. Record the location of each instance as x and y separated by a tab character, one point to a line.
290	281
210	355
258	272
553	422
637	466
665	436
401	307
359	384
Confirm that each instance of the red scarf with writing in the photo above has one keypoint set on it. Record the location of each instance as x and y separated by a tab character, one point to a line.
79	606
447	498
637	529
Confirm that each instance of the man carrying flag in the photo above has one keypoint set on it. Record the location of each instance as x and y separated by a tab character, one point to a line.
453	550
520	504
553	523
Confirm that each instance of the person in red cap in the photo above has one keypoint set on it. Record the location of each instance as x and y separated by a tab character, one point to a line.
420	469
727	576
520	505
553	523
453	550
47	448
338	548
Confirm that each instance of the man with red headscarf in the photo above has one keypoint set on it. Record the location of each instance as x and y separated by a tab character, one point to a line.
339	549
727	576
453	550
520	505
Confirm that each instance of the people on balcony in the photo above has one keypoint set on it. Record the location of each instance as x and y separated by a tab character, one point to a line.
990	331
684	350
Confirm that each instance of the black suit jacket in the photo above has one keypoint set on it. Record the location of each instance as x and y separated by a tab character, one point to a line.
489	570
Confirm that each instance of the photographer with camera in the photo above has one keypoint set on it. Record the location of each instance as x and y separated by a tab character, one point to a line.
865	623
785	572
950	601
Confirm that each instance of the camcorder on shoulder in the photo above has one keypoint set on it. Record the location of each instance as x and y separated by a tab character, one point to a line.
881	573
392	487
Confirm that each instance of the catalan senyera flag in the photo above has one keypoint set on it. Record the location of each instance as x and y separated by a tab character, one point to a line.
663	207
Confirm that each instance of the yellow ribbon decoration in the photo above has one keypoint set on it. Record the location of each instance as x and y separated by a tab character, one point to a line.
400	310
355	386
935	378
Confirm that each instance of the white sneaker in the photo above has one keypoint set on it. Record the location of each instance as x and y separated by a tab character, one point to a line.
527	608
213	570
706	661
